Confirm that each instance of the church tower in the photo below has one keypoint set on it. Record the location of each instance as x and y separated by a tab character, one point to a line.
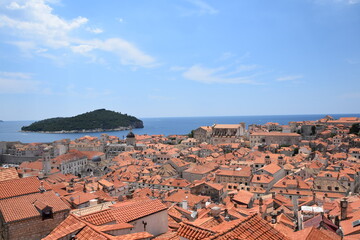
46	163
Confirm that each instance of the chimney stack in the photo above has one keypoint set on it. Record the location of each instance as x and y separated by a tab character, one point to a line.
42	188
215	211
343	207
185	203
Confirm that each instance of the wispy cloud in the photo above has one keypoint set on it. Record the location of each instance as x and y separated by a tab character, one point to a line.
198	8
226	56
218	75
94	30
289	78
203	7
17	82
37	27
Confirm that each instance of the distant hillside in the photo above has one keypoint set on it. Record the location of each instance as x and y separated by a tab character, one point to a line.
95	121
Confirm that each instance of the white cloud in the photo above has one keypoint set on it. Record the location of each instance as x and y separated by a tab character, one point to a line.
226	56
289	78
16	82
37	22
83	48
15	75
217	75
203	7
94	30
129	54
37	28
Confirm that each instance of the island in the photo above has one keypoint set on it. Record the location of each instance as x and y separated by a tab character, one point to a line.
100	120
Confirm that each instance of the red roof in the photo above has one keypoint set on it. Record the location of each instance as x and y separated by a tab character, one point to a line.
126	213
251	228
8	174
22	207
21	186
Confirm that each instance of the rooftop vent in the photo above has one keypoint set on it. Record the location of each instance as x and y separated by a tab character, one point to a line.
356	223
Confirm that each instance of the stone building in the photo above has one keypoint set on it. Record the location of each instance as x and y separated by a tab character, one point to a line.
280	138
220	133
227	133
202	134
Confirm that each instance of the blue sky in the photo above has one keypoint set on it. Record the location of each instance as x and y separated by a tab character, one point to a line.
179	58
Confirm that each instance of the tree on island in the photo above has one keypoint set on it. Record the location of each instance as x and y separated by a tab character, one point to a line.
98	119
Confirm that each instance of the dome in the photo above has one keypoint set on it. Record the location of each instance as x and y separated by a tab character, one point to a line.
96	159
130	135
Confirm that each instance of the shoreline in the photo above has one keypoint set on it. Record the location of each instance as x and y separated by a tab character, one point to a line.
81	131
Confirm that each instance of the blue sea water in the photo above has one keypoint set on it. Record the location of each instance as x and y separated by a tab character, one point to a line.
10	130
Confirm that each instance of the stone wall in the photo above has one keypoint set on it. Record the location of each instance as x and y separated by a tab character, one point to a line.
11	159
34	228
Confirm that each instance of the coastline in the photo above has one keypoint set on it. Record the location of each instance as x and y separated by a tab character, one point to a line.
81	131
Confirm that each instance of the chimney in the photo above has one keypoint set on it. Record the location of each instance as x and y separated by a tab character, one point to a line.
185	203
42	188
343	207
215	211
261	205
273	195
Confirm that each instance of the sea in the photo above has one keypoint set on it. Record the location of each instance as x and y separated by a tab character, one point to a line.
10	130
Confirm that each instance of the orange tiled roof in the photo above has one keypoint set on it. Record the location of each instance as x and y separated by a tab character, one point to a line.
22	207
8	174
99	218
134	236
88	233
193	232
253	227
125	213
313	233
21	186
137	210
271	168
66	227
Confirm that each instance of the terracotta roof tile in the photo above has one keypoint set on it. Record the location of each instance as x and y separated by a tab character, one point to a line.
22	207
125	213
253	227
21	186
90	234
193	232
66	227
134	236
137	210
8	174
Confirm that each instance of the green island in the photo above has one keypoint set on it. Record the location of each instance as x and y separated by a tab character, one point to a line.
96	121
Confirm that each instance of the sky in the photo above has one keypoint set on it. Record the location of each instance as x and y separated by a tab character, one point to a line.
179	58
